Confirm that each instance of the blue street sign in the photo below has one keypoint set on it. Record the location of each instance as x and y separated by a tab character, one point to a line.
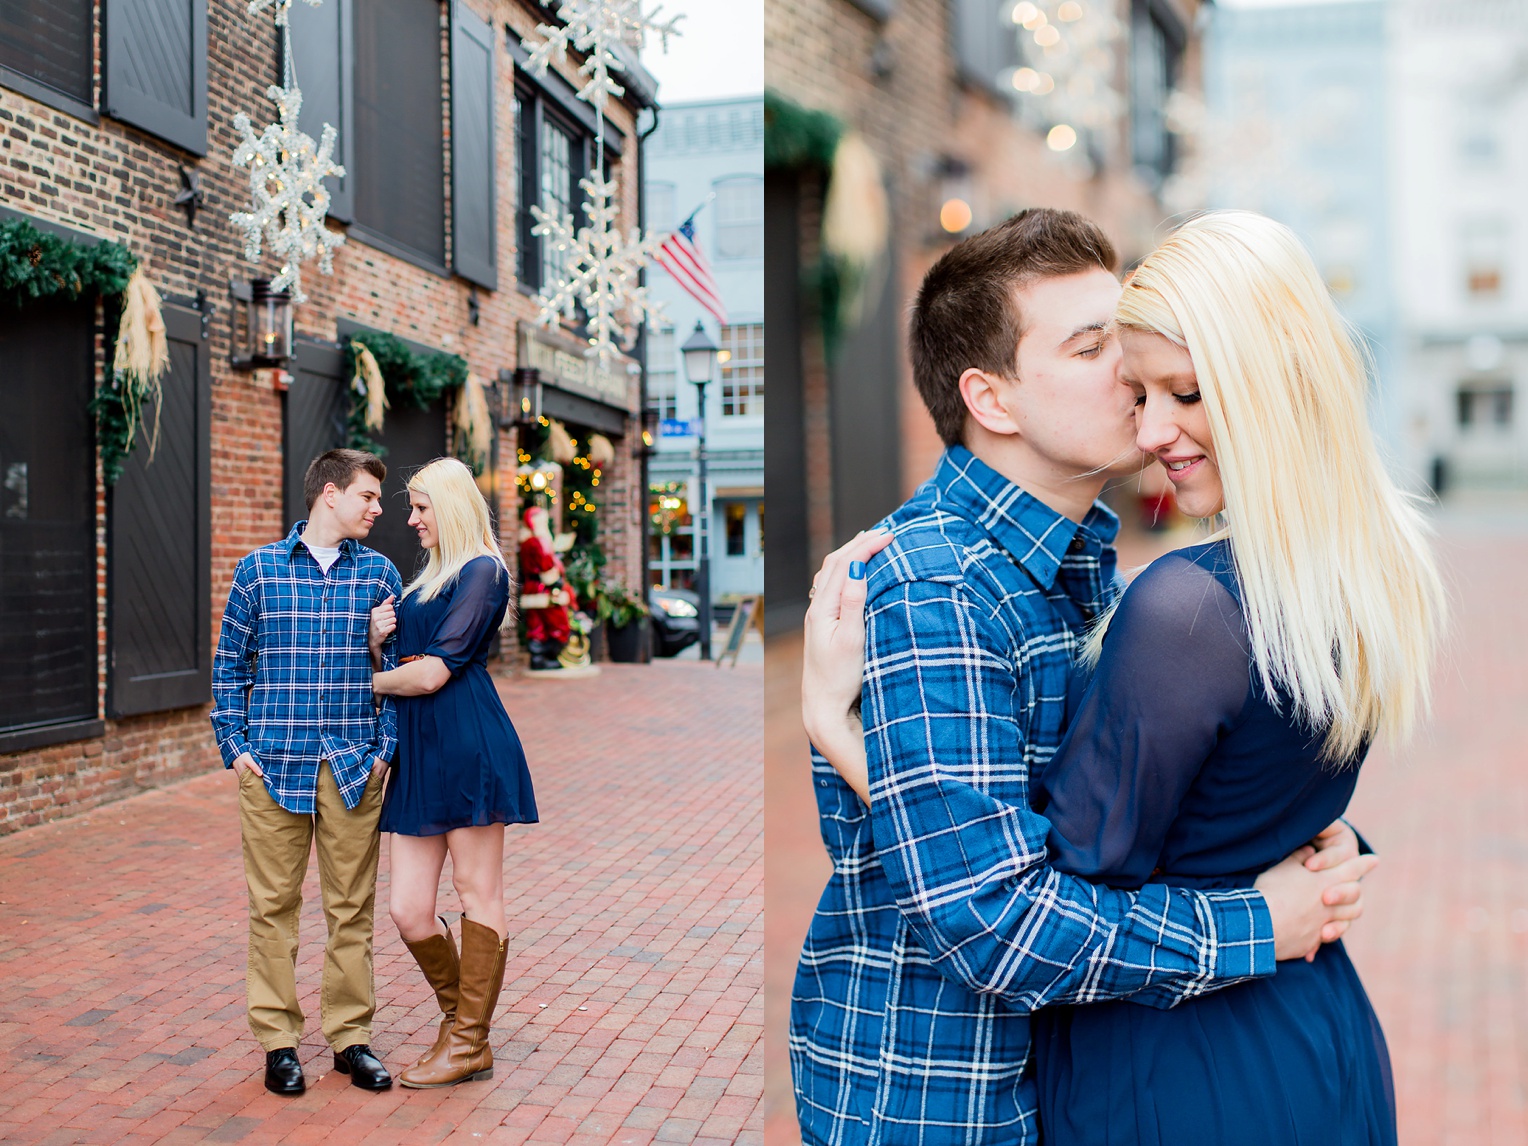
678	428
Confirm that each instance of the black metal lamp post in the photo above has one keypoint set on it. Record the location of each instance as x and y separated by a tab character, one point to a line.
700	355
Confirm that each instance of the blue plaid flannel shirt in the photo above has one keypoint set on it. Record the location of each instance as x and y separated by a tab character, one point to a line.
291	680
942	926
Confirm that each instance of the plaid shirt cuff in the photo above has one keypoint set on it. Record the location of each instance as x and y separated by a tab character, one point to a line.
232	748
1243	933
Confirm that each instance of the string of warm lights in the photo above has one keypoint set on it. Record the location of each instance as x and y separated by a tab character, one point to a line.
1071	52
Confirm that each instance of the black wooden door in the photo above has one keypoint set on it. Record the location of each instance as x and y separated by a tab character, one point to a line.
159	541
317	404
47	515
412	437
787	574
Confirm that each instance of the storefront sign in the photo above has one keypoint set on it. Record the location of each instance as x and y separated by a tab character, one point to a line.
561	363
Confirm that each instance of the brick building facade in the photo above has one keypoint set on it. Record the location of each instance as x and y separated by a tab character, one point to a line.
928	85
89	154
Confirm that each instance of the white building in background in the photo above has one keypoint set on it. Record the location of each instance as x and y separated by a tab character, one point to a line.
710	155
1296	129
1387	135
1458	80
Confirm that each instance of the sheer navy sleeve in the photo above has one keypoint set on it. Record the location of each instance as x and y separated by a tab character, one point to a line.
477	605
1173	678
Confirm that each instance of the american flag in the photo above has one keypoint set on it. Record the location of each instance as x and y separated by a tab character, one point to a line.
680	256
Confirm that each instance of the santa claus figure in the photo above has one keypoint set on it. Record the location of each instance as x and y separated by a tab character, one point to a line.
545	599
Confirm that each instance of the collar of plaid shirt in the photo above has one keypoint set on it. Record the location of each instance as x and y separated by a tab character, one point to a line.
1031	532
348	545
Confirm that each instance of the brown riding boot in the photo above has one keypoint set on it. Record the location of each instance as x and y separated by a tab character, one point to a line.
466	1055
437	958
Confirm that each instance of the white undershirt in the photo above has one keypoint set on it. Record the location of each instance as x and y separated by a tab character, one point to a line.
324	555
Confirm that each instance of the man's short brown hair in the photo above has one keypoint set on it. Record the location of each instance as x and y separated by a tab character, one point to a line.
339	467
967	314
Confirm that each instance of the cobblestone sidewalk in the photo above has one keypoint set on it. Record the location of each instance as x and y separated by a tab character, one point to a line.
632	1008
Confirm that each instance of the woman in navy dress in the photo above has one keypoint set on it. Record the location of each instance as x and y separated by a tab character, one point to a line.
460	775
1238	685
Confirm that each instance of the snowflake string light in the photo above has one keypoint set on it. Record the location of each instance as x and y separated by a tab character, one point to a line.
595	27
599	269
286	175
283	7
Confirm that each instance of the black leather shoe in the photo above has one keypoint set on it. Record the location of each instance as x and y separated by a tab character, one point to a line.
363	1067
283	1073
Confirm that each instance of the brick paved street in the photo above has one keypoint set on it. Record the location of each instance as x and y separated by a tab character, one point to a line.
1443	946
632	1007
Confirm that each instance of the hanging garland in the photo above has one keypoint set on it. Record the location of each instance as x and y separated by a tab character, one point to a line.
855	222
388	375
35	265
796	137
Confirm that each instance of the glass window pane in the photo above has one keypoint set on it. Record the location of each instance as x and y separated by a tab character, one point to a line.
556	189
739	218
737	518
743	373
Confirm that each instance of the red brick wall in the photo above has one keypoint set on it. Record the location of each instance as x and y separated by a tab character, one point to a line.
116	181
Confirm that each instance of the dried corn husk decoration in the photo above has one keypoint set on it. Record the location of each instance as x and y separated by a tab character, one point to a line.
560	445
856	223
474	423
142	355
856	218
368	380
601	452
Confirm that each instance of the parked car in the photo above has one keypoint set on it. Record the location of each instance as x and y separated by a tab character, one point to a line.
676	620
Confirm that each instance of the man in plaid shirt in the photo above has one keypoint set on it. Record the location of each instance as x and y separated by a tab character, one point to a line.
942	927
295	719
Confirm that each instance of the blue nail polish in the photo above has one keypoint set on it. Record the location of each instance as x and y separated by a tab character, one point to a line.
856	570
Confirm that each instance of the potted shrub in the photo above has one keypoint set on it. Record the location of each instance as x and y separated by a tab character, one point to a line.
625	618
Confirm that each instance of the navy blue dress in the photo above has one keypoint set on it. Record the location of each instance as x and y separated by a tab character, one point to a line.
459	762
1178	769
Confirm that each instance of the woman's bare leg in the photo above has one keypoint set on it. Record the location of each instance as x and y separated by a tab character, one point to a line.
477	870
416	867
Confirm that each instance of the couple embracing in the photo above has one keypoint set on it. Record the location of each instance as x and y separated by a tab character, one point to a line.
348	705
1090	872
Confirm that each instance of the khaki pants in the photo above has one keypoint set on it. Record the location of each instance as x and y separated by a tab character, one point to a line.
276	844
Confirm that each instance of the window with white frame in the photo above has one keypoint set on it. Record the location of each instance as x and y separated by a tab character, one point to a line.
743	372
660	207
662	377
1483	241
556	189
739	217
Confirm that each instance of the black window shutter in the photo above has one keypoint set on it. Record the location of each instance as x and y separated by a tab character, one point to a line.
472	168
317	403
986	43
156	68
49	41
323	55
400	155
528	172
47	515
159	543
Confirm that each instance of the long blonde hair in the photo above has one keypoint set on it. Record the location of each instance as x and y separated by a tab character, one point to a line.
1338	583
462	526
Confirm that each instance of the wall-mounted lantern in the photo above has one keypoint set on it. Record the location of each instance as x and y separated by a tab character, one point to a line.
266	319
